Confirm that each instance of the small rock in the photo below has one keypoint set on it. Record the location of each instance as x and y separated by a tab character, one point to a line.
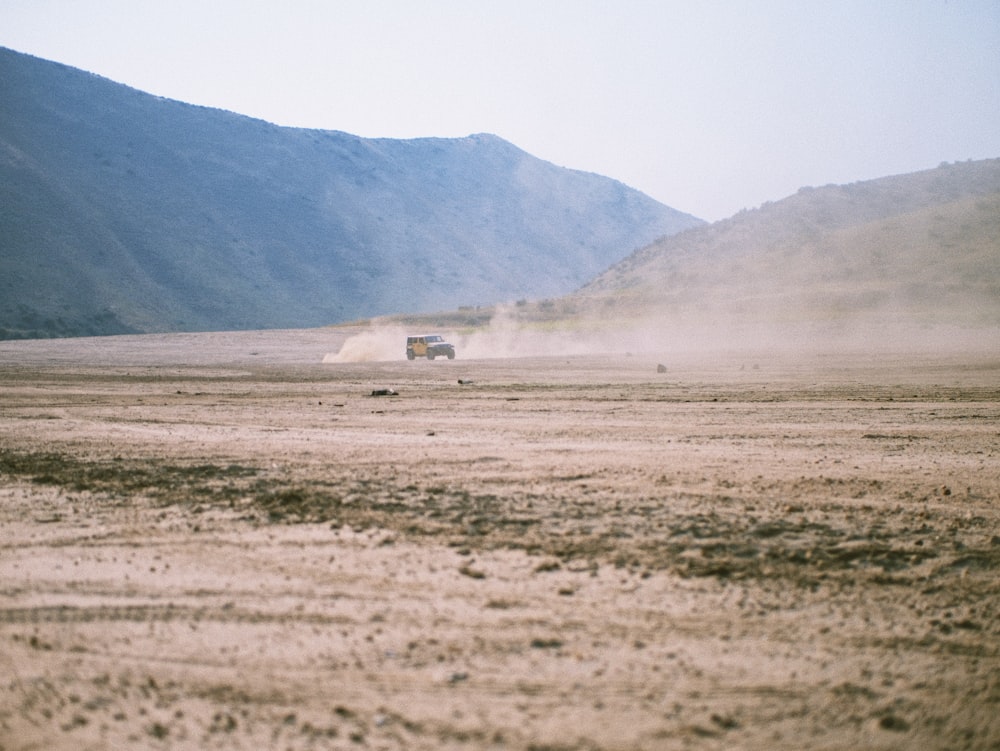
725	721
546	566
546	643
896	724
385	392
661	368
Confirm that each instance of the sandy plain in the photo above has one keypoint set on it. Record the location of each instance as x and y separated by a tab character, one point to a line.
218	541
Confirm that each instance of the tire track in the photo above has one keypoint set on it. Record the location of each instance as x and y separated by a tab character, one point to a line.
158	614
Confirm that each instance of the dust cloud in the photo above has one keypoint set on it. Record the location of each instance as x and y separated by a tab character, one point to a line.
765	327
504	337
382	342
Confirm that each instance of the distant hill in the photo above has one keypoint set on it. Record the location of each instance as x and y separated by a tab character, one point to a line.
124	212
861	261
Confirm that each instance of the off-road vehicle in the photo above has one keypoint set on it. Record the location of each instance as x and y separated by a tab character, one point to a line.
429	346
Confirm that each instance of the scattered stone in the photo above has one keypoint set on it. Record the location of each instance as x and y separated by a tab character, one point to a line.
661	368
894	723
546	643
465	382
547	566
472	573
703	732
78	721
725	722
222	722
500	604
385	392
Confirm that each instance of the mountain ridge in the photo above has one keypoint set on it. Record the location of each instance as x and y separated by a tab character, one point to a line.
913	251
126	213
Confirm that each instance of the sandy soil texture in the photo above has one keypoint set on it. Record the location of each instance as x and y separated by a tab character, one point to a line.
220	542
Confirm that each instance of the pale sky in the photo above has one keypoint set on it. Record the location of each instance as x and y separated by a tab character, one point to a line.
709	106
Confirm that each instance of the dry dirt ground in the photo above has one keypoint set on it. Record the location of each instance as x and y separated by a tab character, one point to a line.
218	541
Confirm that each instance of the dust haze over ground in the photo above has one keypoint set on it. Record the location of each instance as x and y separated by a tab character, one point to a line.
505	336
735	328
220	541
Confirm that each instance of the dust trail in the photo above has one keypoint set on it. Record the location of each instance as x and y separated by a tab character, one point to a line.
718	327
381	343
505	336
511	335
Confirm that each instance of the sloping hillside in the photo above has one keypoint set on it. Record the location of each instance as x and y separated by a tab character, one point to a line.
125	212
919	250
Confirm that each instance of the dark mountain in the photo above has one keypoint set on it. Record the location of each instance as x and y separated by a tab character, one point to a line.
865	260
125	212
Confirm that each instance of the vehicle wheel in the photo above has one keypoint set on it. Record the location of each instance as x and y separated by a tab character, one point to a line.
451	355
430	355
409	356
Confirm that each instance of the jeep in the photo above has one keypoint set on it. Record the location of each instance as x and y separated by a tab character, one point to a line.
429	346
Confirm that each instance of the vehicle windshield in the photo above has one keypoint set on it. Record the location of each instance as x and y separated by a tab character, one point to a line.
435	339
